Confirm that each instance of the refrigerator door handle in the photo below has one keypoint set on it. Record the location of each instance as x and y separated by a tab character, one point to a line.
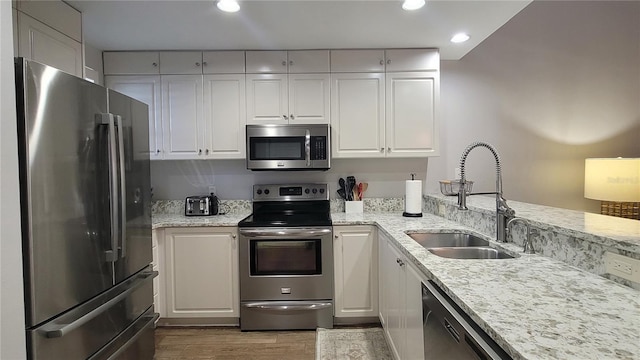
55	330
107	119
123	187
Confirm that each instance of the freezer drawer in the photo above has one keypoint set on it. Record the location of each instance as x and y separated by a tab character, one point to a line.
78	333
135	343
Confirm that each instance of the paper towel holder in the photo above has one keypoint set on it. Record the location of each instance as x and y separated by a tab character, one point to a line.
407	214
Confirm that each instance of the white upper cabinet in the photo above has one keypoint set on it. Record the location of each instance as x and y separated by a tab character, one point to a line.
180	62
357	115
39	42
308	61
225	117
267	99
301	97
223	62
182	118
266	62
145	88
412	60
357	61
411	107
131	63
400	119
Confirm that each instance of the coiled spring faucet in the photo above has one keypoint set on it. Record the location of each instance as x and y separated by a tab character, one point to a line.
503	211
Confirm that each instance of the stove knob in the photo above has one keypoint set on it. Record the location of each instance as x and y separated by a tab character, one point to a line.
266	191
321	191
259	191
315	191
306	191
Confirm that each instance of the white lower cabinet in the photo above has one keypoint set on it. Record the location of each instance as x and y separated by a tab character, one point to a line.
400	302
157	238
201	272
355	258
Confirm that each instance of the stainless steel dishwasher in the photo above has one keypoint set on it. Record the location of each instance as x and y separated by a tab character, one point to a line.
449	333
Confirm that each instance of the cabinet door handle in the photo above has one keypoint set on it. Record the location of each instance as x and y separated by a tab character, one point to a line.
381	149
206	151
204	63
399	262
381	62
157	151
388	149
284	63
292	117
336	236
197	64
290	62
389	62
154	64
199	151
285	117
233	236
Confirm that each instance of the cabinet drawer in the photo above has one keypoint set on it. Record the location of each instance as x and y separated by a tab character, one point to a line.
181	62
223	62
357	60
131	63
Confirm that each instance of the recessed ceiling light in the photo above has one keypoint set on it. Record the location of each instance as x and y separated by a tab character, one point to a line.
412	4
228	5
459	38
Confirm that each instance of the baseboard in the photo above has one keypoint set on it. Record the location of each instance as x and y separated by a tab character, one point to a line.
364	320
234	321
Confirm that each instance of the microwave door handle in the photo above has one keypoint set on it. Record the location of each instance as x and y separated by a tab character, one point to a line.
107	119
307	146
123	188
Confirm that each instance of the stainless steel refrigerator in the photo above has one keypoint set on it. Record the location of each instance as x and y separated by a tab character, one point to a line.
86	218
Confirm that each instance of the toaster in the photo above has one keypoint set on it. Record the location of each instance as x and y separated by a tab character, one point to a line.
201	205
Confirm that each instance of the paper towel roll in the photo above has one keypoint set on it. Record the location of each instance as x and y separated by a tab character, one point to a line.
413	197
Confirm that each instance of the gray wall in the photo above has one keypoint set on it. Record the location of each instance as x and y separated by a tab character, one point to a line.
558	83
177	179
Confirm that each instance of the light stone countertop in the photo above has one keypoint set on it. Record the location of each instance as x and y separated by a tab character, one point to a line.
532	306
611	231
179	220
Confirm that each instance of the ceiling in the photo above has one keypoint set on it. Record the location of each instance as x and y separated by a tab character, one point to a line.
293	24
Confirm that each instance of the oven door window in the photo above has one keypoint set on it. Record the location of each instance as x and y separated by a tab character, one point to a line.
286	257
277	148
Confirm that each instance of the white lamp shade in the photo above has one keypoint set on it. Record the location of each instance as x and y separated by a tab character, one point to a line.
615	179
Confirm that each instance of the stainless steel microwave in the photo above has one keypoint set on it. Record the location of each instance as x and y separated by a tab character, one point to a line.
288	147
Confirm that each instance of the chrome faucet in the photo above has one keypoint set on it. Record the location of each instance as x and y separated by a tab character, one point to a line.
503	211
528	246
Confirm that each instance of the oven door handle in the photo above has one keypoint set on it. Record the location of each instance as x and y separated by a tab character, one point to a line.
307	146
280	233
288	305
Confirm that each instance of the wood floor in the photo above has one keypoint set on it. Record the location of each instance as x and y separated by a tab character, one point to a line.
175	343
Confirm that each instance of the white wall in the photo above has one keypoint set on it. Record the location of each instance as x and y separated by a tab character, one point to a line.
560	82
12	336
177	179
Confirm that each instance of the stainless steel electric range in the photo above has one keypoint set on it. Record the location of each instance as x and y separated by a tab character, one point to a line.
286	259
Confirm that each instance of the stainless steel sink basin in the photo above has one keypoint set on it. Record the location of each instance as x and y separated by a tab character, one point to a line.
470	253
437	240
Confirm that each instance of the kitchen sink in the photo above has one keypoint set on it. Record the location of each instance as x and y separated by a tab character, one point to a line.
477	252
438	240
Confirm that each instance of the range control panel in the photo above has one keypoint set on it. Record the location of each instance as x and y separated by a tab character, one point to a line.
290	192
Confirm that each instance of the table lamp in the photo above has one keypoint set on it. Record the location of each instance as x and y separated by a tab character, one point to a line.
616	183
